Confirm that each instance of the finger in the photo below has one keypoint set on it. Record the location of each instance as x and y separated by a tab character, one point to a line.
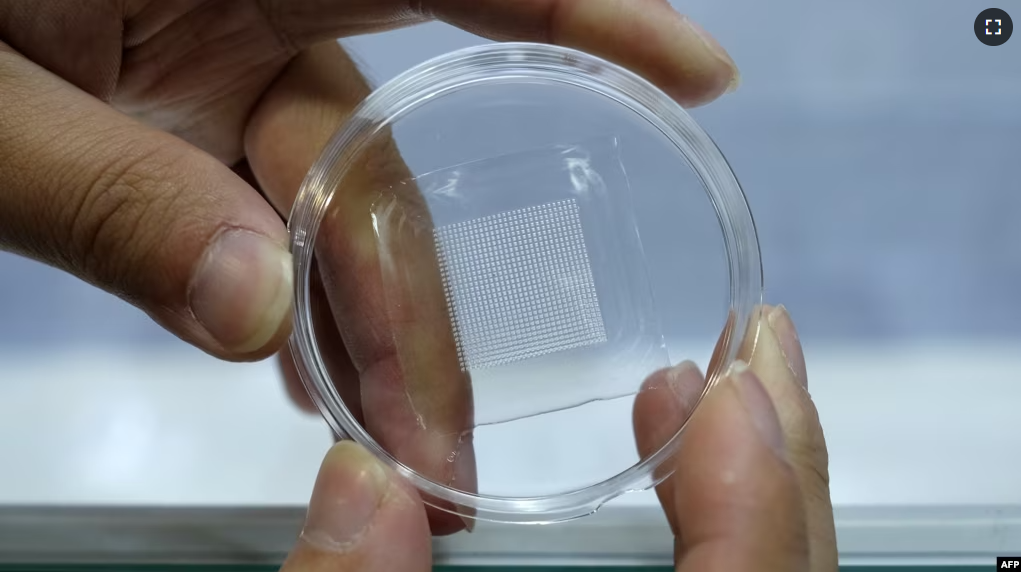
335	358
667	399
415	400
78	41
362	516
292	382
661	408
736	501
338	363
140	214
777	358
647	36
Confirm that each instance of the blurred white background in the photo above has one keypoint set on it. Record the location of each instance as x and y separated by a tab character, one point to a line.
878	144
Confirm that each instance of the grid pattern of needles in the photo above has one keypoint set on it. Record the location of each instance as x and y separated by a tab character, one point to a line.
519	285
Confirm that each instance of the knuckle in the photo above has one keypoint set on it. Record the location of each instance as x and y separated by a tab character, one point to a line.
806	443
812	467
118	219
813	470
274	13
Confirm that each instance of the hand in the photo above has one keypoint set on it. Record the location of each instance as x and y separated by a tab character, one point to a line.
751	484
153	147
120	119
750	491
362	517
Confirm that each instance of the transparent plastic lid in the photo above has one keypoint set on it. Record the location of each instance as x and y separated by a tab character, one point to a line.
501	260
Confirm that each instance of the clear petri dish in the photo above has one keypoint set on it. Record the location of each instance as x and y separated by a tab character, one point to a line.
503	259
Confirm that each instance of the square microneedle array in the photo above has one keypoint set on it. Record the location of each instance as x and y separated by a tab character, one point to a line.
519	285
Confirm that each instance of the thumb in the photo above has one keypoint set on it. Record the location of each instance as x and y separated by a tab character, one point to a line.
362	517
141	214
736	499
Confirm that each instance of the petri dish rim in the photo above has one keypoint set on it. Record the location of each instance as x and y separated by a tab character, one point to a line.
520	62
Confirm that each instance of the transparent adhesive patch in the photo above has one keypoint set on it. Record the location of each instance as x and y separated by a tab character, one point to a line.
543	273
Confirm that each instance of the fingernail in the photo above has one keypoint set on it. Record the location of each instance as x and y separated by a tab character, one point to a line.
241	290
348	493
687	384
714	47
679	377
465	474
757	403
735	82
780	323
469	522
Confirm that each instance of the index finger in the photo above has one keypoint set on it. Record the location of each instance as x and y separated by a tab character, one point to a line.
381	291
646	36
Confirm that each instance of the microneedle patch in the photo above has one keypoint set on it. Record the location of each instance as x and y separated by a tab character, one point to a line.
519	285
